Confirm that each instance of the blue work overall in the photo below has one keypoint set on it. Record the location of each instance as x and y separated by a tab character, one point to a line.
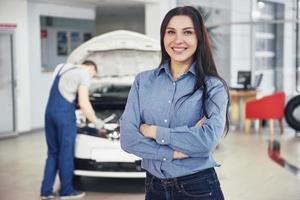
60	127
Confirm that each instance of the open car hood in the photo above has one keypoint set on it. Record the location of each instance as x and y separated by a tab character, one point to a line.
119	53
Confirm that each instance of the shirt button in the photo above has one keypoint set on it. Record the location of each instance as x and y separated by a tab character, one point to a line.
169	101
164	159
174	83
165	121
163	141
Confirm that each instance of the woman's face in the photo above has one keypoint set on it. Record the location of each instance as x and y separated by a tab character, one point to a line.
180	39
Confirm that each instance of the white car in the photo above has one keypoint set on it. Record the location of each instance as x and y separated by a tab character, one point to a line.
119	55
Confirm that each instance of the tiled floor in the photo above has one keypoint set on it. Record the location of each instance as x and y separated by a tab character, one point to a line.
247	173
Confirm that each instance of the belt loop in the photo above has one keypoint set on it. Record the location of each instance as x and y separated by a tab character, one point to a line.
214	173
152	178
177	186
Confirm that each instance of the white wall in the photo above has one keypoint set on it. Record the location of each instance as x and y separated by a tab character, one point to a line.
154	14
124	17
41	81
16	11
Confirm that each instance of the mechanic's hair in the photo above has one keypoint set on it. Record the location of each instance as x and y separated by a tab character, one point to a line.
90	63
203	57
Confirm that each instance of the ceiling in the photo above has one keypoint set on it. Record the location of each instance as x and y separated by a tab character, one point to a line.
96	3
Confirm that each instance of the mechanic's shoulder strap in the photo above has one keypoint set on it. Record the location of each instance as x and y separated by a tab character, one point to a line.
61	68
71	68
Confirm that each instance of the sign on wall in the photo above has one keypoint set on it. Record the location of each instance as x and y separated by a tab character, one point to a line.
8	26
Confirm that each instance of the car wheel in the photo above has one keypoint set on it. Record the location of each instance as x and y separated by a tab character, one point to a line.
290	113
76	178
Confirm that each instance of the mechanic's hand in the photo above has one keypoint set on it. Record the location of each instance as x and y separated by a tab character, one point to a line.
102	132
179	155
148	131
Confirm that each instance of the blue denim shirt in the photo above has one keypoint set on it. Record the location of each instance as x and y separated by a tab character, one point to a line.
156	99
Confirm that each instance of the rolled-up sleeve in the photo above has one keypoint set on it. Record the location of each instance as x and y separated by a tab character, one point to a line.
199	141
132	141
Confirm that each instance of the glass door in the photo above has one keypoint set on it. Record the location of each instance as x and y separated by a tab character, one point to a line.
7	97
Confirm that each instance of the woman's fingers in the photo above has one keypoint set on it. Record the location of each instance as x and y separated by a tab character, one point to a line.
201	121
179	155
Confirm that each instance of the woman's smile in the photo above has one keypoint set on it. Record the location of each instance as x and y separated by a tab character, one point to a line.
178	49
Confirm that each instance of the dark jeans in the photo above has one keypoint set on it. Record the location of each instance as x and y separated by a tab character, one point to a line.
203	185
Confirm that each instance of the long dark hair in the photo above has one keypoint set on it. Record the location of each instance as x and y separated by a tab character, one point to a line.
205	64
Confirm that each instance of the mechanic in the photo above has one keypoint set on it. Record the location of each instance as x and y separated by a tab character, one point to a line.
71	83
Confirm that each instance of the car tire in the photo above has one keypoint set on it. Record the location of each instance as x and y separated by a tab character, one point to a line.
76	179
289	115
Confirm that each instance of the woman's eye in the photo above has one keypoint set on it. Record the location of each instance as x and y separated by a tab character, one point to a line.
187	32
170	32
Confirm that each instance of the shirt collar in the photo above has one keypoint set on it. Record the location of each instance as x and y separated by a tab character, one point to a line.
192	69
165	67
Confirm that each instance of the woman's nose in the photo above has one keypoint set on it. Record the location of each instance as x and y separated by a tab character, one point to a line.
178	38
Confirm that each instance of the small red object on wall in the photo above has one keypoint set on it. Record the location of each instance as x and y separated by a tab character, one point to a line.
44	33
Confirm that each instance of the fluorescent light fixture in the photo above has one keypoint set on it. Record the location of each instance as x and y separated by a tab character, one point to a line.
260	5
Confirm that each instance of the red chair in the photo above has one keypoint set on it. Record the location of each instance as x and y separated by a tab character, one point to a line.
267	108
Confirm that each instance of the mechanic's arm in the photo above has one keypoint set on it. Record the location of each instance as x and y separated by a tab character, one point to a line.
132	141
196	141
86	107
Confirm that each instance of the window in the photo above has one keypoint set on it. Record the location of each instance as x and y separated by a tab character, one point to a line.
60	36
268	36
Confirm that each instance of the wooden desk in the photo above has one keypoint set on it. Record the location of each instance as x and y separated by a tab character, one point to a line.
237	107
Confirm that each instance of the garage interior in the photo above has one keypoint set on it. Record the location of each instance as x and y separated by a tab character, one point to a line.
254	165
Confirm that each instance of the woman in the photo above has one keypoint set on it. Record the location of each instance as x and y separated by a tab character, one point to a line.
176	114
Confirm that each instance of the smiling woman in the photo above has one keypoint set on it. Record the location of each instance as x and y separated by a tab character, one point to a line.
180	42
176	114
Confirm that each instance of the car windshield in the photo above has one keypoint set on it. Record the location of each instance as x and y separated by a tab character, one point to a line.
110	99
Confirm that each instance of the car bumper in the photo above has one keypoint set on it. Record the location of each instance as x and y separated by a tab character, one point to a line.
100	157
88	167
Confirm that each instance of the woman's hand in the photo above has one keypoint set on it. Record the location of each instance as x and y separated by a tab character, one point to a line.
148	131
201	121
179	155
